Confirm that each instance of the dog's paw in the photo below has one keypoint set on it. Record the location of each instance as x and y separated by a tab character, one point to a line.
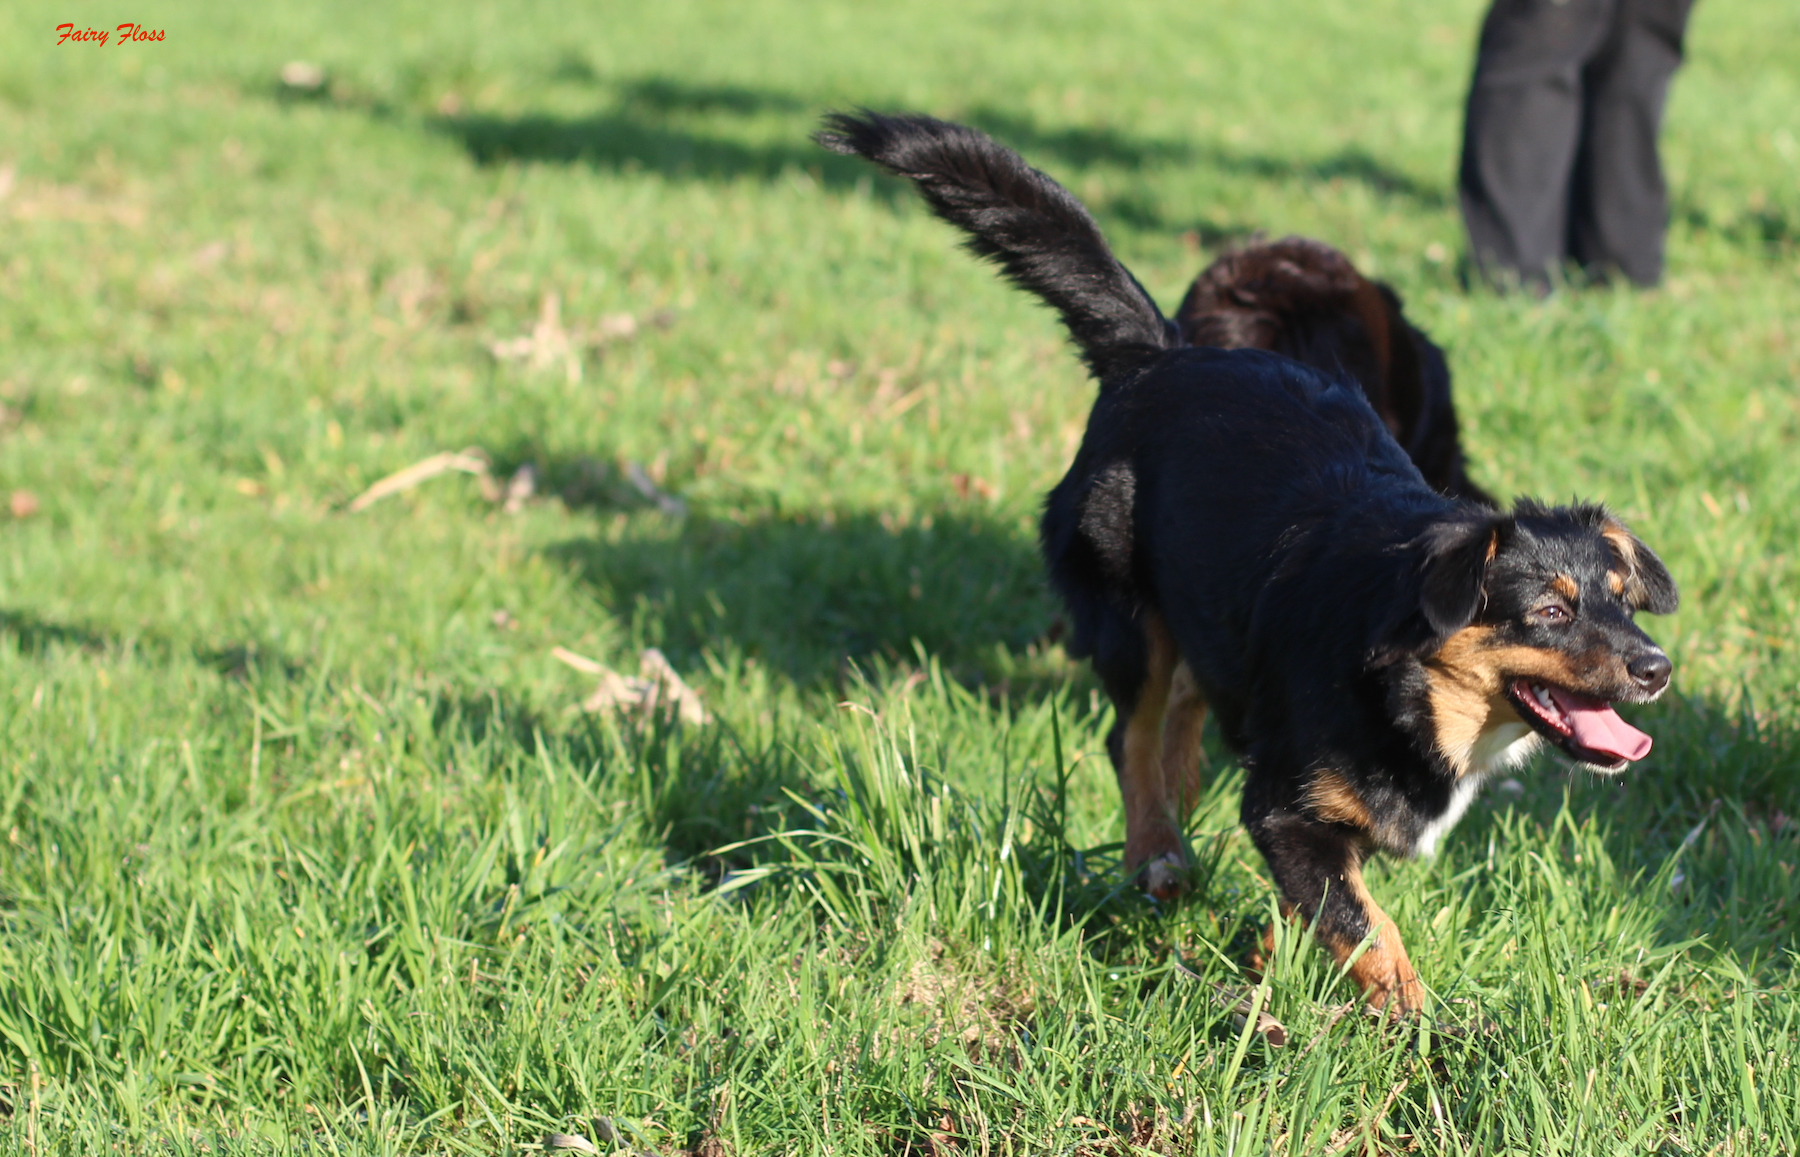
1165	876
1402	998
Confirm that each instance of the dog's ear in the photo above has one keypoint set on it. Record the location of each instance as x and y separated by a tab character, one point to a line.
1446	588
1648	586
1457	555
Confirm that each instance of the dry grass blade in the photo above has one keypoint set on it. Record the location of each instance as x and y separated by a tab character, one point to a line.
470	461
581	663
520	489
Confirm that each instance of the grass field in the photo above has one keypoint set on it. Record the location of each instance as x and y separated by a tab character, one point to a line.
307	845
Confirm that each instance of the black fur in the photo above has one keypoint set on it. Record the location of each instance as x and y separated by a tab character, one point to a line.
1013	215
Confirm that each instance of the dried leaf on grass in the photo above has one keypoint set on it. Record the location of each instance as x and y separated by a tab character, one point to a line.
616	325
656	689
549	343
1241	1004
581	663
303	75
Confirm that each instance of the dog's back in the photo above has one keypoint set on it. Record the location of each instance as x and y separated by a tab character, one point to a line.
1268	451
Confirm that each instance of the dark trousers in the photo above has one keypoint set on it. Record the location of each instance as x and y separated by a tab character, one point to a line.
1559	147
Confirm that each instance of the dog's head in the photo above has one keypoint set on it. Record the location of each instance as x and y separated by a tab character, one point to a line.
1527	618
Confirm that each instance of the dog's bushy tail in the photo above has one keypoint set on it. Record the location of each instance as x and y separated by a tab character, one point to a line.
1015	216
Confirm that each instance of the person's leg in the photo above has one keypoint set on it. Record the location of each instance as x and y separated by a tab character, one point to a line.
1522	128
1618	207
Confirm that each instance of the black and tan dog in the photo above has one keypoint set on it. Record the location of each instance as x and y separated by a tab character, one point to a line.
1242	531
1305	300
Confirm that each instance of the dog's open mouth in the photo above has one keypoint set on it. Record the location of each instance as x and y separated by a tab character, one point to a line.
1585	727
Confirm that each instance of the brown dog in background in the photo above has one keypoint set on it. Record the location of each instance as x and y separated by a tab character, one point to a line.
1305	300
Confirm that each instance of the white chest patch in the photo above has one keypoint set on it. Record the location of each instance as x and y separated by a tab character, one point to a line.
1461	796
1507	745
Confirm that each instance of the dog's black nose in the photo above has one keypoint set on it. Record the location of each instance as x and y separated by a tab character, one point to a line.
1651	670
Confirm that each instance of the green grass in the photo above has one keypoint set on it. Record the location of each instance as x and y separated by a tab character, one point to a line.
306	844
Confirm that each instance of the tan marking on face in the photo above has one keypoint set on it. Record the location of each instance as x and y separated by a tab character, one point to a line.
1181	753
1566	586
1331	798
1473	658
1466	682
1493	546
1615	582
1384	970
1150	826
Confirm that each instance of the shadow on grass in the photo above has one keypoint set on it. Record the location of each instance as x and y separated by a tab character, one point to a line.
36	636
807	595
1085	148
1764	229
700	787
646	129
665	94
625	141
33	635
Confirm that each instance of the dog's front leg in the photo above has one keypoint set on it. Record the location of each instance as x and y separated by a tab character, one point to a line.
1318	867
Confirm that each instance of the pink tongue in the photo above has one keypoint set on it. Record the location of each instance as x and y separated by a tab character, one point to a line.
1597	727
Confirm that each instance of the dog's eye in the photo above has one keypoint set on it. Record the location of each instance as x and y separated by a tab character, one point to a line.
1551	613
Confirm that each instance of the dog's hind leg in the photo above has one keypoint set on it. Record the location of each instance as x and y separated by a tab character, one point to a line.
1138	670
1181	752
1318	867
